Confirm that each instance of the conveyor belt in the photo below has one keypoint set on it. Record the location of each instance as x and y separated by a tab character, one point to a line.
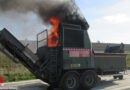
15	50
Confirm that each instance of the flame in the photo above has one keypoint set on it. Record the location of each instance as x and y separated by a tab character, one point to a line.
53	37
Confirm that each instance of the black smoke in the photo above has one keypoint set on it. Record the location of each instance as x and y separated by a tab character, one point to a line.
66	10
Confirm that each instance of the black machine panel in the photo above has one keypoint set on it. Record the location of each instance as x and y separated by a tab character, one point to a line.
73	38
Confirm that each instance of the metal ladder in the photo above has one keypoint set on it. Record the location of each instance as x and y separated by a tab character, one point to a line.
53	64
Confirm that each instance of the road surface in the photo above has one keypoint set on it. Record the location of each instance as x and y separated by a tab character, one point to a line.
107	83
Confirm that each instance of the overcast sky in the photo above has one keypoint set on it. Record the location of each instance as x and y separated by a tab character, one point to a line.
109	21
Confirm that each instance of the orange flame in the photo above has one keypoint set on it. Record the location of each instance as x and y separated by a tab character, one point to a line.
53	37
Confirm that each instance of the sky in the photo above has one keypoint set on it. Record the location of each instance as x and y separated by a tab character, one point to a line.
109	21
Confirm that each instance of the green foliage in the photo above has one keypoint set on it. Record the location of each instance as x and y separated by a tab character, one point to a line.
17	77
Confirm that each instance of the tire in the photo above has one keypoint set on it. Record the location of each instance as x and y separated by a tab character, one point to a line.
120	77
70	81
50	88
88	79
115	77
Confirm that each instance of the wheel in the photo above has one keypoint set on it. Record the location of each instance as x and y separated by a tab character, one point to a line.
70	81
88	79
121	77
50	88
115	77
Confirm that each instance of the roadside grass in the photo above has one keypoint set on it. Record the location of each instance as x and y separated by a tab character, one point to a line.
11	71
17	77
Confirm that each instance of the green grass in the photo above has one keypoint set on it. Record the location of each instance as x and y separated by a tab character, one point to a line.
11	71
17	77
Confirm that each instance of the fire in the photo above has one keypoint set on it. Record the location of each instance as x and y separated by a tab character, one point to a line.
53	37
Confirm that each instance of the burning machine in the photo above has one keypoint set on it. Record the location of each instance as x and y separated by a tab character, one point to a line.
64	58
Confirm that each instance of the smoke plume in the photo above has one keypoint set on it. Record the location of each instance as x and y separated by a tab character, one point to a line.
65	10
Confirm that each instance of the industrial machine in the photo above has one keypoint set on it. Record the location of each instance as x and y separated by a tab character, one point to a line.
115	49
64	58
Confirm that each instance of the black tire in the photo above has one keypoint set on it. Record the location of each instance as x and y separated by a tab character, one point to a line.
115	77
120	77
70	81
88	79
50	88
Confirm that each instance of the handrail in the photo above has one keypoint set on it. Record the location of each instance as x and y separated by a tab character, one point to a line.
43	38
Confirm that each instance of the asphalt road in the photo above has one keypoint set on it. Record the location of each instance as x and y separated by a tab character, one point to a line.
106	83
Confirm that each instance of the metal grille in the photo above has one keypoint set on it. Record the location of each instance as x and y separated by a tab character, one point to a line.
73	36
42	39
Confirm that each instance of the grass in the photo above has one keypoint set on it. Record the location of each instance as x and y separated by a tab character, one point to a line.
17	77
10	71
